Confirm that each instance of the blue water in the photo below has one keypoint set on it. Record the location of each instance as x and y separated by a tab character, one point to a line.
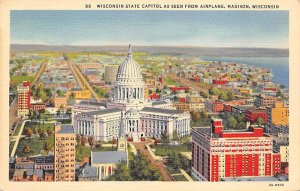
278	65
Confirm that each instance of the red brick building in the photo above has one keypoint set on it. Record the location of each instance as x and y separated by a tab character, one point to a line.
252	114
228	105
219	81
218	154
179	88
38	106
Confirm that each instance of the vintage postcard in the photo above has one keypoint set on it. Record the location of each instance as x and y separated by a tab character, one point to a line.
149	96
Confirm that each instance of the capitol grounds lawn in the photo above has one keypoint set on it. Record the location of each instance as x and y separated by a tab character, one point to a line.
165	150
35	143
85	151
17	130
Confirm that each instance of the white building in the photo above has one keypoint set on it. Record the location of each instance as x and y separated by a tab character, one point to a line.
142	118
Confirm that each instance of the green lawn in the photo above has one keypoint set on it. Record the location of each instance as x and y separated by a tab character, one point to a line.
180	178
17	130
36	144
19	79
169	81
85	151
11	145
41	126
164	150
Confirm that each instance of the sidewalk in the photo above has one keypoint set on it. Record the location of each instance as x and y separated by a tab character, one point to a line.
17	139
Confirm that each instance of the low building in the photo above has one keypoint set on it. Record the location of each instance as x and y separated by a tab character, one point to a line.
265	101
274	129
252	115
87	173
60	101
38	106
182	106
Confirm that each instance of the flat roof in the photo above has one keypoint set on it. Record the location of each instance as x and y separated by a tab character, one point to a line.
66	129
160	110
104	111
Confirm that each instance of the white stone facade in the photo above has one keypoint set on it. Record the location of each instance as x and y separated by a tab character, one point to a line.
141	117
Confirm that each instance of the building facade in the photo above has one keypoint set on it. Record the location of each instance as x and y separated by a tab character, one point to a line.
23	99
278	114
218	154
64	153
141	117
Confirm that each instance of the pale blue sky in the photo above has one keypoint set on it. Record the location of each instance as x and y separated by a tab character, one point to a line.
167	28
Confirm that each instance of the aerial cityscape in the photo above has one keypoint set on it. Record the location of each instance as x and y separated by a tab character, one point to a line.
147	112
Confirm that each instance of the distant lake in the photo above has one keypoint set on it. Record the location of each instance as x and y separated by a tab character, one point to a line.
278	65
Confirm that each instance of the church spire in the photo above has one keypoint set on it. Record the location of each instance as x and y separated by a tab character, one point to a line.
122	144
129	55
122	130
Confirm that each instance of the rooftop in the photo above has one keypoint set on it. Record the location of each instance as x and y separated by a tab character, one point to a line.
261	178
87	171
44	160
92	103
66	129
160	110
108	157
104	111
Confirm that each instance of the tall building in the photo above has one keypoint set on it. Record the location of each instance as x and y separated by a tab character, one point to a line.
278	114
23	99
142	118
64	153
218	154
110	74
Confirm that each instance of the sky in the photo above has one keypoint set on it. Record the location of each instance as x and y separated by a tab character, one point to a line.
266	29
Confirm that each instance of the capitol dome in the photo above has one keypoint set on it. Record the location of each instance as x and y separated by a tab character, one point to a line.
129	84
129	68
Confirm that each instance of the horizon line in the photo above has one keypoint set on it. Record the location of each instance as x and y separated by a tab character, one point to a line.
177	46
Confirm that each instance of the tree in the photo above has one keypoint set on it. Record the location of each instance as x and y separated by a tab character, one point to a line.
49	131
59	93
28	132
69	111
122	173
259	121
47	147
214	91
185	139
195	116
140	169
175	136
78	138
165	137
231	123
26	149
42	134
83	140
91	141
